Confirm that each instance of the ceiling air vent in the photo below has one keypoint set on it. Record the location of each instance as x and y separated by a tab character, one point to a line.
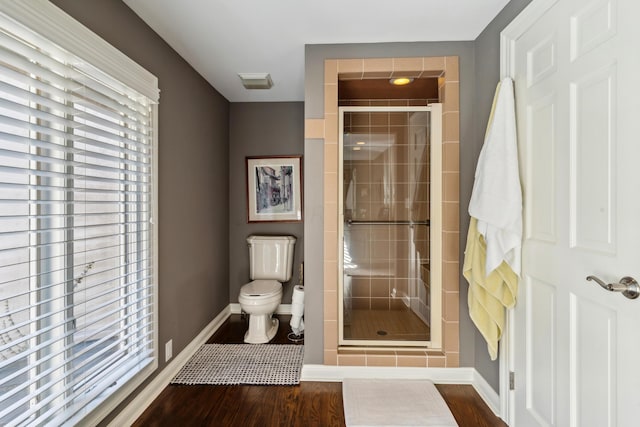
256	80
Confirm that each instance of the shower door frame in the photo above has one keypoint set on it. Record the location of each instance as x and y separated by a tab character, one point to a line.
435	230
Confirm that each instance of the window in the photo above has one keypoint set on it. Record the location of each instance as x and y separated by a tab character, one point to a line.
77	239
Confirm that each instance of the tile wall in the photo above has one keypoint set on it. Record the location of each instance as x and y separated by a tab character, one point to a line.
383	181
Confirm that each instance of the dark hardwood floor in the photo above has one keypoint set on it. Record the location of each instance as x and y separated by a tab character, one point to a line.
309	404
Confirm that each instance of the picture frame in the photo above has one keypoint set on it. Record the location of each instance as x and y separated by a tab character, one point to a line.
274	189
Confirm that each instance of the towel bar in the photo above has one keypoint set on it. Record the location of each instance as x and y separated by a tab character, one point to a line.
351	222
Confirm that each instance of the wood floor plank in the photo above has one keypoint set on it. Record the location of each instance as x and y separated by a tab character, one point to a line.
467	407
310	404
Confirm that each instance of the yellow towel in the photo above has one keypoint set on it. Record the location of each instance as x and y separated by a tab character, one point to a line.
488	295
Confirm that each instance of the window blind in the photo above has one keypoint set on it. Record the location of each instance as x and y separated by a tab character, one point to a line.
76	236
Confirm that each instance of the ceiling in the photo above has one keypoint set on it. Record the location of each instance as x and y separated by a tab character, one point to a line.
221	38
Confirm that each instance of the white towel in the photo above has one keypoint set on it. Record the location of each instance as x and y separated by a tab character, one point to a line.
350	199
496	200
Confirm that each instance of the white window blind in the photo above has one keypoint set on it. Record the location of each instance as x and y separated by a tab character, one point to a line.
77	288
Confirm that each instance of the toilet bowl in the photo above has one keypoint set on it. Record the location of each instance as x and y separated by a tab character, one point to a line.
260	299
270	264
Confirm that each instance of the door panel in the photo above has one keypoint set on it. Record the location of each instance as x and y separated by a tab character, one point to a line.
541	127
541	367
593	197
592	353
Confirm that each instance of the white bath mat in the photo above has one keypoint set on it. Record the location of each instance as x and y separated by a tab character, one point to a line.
372	402
231	364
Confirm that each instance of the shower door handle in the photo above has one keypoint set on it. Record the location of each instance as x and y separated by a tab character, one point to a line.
627	286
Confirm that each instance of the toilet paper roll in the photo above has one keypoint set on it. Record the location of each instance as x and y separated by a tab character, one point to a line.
297	310
298	294
297	301
297	326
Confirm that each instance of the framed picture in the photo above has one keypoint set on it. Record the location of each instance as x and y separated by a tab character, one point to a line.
274	189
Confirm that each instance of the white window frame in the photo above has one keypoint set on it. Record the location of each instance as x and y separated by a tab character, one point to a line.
61	29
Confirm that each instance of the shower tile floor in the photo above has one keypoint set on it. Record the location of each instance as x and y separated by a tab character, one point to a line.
400	325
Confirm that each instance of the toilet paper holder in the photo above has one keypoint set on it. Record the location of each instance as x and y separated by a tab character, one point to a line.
297	311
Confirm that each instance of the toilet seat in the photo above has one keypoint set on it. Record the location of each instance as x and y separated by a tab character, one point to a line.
261	289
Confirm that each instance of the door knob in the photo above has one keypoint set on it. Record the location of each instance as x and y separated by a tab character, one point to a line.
627	286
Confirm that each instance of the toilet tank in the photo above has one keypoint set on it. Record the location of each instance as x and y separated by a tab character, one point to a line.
271	257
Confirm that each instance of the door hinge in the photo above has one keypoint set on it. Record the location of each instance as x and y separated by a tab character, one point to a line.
512	380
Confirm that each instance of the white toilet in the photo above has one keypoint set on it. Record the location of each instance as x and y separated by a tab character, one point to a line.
270	264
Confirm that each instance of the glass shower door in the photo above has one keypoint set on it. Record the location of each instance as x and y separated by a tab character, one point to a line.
385	283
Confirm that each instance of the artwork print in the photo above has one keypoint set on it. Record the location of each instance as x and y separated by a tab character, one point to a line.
274	190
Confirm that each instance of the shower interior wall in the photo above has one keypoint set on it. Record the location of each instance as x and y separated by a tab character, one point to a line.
387	185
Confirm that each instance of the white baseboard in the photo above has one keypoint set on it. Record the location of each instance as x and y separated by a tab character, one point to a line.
282	309
487	393
143	400
338	373
437	375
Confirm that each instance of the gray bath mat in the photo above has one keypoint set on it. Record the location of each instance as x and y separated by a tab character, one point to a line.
231	364
375	402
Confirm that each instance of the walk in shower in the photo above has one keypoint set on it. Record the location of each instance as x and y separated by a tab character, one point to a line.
390	183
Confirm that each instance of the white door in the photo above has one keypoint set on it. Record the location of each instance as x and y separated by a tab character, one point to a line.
576	346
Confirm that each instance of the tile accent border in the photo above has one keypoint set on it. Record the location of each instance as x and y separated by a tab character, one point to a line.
445	68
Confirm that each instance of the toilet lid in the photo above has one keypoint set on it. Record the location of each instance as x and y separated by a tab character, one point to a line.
261	287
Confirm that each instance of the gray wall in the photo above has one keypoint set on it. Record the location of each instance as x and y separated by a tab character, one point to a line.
487	69
314	108
313	251
193	174
260	129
